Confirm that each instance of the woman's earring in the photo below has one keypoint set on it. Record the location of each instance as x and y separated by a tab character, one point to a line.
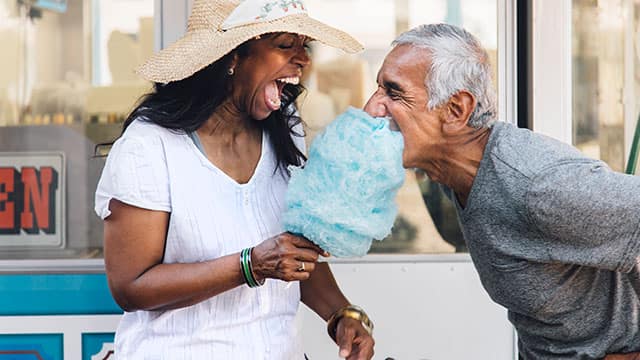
231	71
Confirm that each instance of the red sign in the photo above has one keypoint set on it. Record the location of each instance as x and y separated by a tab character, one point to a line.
31	199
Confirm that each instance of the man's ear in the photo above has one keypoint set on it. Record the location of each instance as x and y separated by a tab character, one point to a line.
459	110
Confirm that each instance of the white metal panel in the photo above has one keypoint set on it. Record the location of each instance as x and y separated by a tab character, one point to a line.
629	96
551	68
157	25
57	266
507	64
423	307
174	15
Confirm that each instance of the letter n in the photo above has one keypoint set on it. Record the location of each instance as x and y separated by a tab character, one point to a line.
39	199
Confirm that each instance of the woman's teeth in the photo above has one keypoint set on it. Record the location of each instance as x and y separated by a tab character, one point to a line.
294	80
275	102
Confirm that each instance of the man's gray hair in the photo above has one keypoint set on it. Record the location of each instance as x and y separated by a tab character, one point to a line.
458	62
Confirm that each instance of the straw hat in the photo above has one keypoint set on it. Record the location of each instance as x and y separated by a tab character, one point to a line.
216	27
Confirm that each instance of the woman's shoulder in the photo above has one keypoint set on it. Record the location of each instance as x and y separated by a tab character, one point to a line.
151	134
147	139
143	128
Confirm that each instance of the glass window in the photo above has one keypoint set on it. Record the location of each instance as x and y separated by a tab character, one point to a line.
66	83
427	222
605	78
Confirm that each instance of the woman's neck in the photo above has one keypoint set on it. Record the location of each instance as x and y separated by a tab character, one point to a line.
227	124
233	143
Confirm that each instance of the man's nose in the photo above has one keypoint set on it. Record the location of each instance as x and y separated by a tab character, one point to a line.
376	107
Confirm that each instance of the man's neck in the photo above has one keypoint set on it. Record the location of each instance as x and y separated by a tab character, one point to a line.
459	162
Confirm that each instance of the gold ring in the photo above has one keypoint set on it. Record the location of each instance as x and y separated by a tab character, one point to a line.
301	267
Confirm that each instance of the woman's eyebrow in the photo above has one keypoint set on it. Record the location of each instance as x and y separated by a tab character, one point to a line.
277	36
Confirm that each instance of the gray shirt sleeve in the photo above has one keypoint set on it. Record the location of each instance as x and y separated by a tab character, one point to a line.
587	214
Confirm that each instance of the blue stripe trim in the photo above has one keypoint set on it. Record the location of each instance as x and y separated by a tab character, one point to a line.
31	347
55	5
76	294
92	343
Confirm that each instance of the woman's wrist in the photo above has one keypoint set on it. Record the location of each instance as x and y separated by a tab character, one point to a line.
246	268
350	312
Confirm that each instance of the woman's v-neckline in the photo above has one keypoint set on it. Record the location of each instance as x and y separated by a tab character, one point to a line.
191	138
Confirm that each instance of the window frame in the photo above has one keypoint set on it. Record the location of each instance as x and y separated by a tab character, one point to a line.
552	71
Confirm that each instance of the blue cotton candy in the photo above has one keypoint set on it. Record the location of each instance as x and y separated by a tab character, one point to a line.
344	197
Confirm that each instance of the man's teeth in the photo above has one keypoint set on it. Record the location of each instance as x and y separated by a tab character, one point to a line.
294	80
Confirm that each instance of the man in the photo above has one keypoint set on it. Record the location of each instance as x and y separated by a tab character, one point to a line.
555	236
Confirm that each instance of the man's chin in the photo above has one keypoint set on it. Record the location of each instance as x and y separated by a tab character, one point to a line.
408	164
393	125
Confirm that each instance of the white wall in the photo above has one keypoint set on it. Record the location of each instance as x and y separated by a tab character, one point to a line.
551	69
423	307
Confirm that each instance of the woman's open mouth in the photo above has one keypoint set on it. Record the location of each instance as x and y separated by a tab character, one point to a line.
273	91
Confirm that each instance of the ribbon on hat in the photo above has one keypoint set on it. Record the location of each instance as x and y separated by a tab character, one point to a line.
258	11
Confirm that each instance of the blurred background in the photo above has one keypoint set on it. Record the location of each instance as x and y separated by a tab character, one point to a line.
67	83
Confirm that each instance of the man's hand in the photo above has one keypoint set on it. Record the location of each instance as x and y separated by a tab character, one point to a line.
354	341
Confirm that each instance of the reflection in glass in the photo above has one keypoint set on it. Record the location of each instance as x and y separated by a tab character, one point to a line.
605	79
66	83
336	81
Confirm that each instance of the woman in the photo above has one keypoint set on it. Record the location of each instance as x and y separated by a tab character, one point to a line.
193	191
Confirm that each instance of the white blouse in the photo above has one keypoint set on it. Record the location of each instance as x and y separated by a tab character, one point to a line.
211	216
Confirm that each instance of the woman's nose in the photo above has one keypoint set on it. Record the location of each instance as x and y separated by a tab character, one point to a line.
302	58
376	107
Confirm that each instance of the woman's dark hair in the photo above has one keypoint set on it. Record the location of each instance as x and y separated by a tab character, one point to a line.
186	104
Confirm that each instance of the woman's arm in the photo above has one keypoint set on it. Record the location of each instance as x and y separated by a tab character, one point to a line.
134	242
322	295
321	292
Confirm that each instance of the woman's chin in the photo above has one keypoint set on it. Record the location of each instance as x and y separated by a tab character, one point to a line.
261	115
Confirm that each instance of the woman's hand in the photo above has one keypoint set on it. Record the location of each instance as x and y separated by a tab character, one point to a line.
286	257
354	341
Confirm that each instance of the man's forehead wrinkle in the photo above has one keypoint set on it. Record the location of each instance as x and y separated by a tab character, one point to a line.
404	64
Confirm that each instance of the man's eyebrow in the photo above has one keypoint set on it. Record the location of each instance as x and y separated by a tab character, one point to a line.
388	84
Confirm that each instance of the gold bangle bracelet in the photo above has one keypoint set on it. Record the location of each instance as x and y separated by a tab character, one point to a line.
352	312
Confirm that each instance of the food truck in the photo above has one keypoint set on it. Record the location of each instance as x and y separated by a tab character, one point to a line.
569	69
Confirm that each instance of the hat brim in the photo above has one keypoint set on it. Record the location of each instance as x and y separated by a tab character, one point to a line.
198	49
